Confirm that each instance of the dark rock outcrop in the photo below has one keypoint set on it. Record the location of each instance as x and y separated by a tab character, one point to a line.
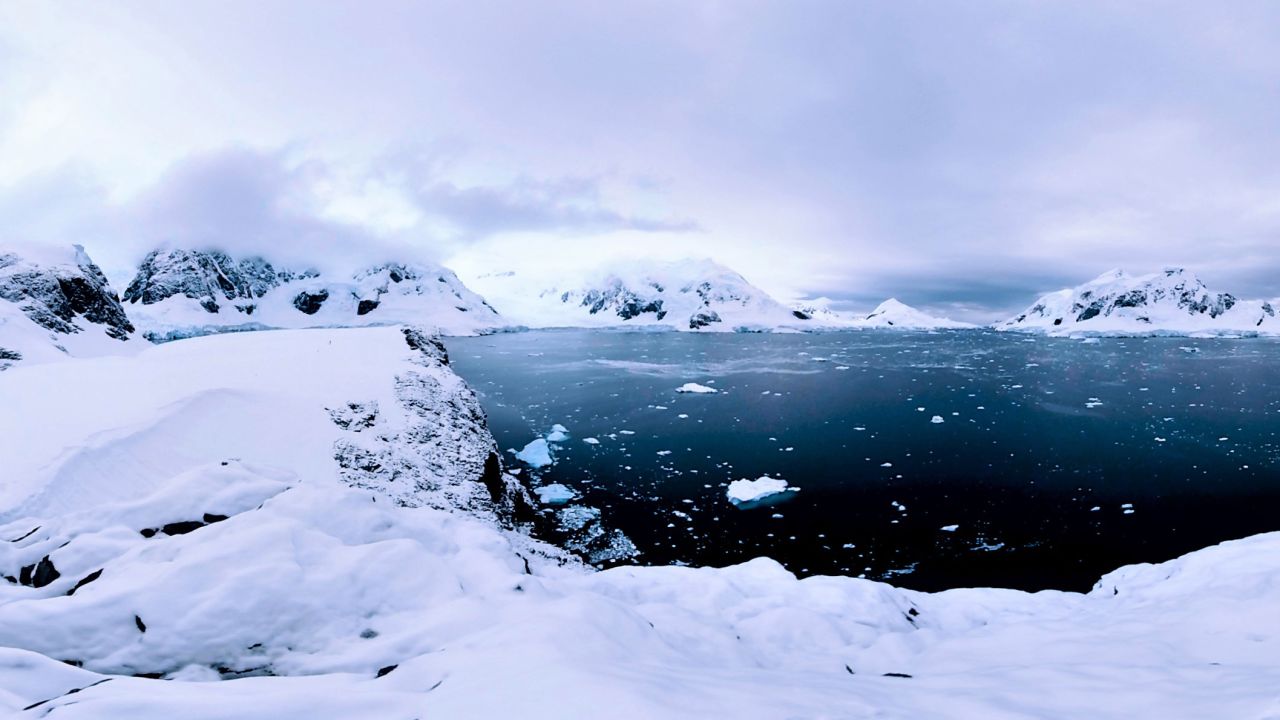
57	296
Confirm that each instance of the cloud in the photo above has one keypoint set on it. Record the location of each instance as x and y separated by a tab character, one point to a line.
305	212
858	149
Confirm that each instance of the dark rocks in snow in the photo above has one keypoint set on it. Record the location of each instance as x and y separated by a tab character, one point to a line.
85	581
310	302
355	416
367	306
39	574
386	670
183	527
54	296
28	534
137	621
703	318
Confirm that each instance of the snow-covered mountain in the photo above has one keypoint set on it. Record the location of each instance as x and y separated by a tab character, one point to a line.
55	302
322	516
890	314
1174	301
698	295
179	293
895	314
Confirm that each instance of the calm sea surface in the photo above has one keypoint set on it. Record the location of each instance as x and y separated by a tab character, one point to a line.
1043	446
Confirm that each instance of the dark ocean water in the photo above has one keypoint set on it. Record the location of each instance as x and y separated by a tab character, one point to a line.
1037	433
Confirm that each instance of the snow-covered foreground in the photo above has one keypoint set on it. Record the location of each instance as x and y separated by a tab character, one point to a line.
309	524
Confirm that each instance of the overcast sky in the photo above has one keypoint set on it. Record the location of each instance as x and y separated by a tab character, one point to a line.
963	157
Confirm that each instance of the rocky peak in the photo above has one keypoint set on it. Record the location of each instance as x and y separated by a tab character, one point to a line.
57	292
206	276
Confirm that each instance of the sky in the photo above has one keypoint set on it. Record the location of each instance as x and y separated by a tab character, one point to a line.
963	157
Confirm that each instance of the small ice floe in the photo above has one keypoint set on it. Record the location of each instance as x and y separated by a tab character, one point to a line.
559	433
1093	403
664	453
886	464
842	367
949	528
659	407
937	420
745	493
536	454
1095	508
591	441
554	494
626	432
1160	440
696	389
683	416
1127	508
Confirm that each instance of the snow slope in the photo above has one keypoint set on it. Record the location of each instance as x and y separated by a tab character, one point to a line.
55	303
240	515
681	295
180	293
1174	301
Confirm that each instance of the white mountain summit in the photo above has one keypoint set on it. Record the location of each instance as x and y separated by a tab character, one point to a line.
1173	301
683	295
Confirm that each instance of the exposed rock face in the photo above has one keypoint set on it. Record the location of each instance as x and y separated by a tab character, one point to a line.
65	295
1172	300
309	303
205	276
703	318
437	451
619	300
181	293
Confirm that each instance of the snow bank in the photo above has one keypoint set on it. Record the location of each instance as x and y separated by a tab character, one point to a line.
696	389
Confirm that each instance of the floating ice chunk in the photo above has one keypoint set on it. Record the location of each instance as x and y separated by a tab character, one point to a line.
949	528
937	420
591	441
559	433
536	454
554	494
696	389
664	452
746	491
